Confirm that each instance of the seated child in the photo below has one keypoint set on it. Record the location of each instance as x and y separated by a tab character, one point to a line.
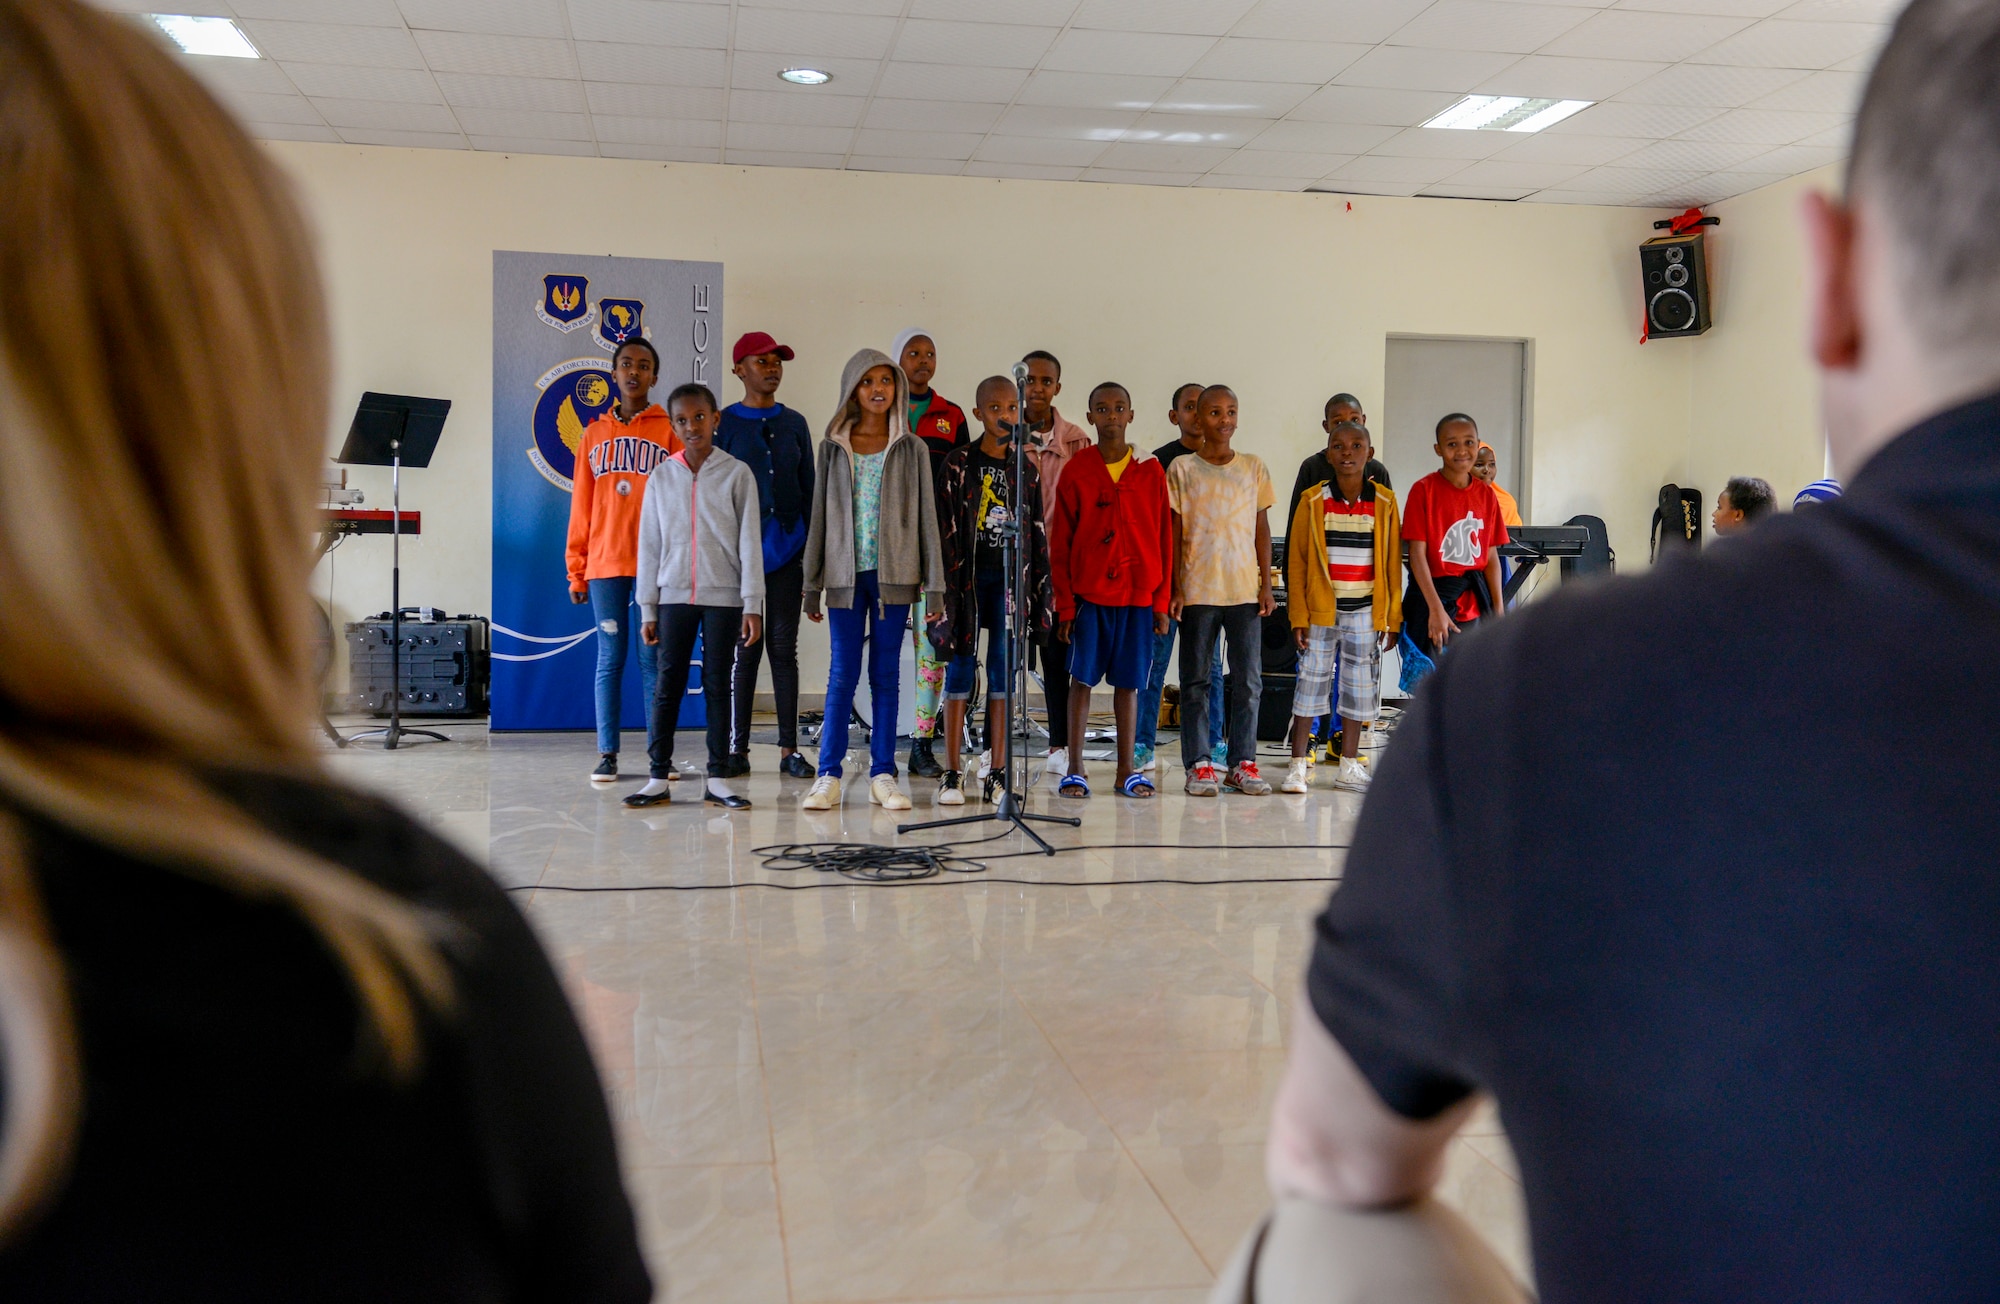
1453	527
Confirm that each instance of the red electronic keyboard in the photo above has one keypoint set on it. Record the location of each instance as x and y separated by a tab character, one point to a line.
339	522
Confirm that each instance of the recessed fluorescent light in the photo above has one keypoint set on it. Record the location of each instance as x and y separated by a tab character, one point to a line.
217	36
805	76
1506	113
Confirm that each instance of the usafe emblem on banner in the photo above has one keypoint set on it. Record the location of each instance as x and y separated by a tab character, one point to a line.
619	320
565	302
573	394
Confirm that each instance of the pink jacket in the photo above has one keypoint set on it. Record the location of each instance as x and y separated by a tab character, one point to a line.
1053	448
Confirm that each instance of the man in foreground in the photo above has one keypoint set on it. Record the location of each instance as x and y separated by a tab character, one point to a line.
1734	995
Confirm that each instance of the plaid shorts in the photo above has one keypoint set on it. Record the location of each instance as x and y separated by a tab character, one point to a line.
1352	645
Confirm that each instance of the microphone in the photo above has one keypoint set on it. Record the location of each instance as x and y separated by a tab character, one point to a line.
1020	373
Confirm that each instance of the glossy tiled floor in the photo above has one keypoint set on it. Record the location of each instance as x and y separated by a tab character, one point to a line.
1045	1081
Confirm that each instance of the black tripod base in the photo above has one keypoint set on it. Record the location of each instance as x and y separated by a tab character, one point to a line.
1009	809
394	735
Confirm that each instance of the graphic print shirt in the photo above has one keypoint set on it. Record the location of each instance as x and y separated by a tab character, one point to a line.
995	488
1459	528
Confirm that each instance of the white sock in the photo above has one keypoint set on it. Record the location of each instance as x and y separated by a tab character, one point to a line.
653	788
717	788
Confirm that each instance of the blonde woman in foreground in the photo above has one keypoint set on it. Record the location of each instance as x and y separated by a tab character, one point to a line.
266	1039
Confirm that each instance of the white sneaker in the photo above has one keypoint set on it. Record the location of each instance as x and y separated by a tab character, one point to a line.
882	790
985	762
824	794
1353	775
1299	777
1056	762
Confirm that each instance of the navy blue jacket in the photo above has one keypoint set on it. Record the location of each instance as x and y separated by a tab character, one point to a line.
776	445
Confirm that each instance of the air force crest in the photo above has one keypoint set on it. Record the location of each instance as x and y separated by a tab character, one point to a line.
619	320
565	302
573	394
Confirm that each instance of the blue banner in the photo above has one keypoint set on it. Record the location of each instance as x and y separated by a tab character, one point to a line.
556	321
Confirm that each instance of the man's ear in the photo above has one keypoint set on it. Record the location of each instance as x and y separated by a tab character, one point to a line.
1834	322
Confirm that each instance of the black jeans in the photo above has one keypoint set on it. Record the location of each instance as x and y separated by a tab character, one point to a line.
1244	629
721	629
784	597
1055	687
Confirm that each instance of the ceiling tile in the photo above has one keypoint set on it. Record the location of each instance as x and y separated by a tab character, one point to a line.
776	158
1404	68
943	167
1235	99
524	124
1648	121
541	93
367	47
1498	172
657	131
1629	34
1712	8
1487	25
533	145
1683	155
1840	138
1324	137
917	144
650	22
1777	43
1569	79
1452	188
1022	171
410	85
836	36
1220	181
370	13
1793	159
985	45
377	113
1138	53
878	8
1122	177
251	76
627	99
1634	181
1081	90
1183	129
292	131
1731	183
785	136
513	56
601	61
1191	17
1850	11
1710	86
1425	142
1763	127
1821	92
1593	198
291	109
1280	163
1040	151
796	108
1559	147
1411	171
1065	124
755	70
1052	13
496	17
1238	58
928	115
659	153
1365	21
1338	185
402	139
1372	105
937	81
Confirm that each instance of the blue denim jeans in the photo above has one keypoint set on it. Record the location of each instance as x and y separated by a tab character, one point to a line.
959	672
616	618
881	627
1148	731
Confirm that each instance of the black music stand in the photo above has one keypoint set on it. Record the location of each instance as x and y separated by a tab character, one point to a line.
395	430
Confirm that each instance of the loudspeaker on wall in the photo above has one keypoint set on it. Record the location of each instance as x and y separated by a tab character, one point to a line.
1673	270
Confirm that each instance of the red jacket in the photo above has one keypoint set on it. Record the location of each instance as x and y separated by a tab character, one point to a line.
1111	543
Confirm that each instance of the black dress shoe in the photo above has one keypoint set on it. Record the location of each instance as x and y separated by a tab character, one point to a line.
797	766
639	800
731	800
736	766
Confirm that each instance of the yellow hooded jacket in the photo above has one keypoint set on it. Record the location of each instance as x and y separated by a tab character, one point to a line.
1309	589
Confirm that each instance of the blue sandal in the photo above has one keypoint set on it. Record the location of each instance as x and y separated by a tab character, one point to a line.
1070	782
1137	785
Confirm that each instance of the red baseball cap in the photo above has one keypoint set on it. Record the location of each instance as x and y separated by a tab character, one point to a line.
755	345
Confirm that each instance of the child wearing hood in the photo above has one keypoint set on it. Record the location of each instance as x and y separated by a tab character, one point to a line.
871	551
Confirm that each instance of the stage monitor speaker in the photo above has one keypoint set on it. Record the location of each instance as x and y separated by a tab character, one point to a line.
1281	653
1673	271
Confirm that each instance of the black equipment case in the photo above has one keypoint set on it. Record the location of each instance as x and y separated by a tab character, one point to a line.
447	665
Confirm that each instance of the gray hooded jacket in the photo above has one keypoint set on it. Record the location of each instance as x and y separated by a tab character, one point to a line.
700	537
908	560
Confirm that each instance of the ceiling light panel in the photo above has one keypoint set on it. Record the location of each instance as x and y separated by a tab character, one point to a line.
216	37
1505	113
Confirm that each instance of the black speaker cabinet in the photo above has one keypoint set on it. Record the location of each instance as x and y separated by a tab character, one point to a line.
1674	272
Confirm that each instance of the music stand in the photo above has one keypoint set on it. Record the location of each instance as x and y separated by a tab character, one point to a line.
395	430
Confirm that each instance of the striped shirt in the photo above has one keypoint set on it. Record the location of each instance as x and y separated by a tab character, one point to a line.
1350	546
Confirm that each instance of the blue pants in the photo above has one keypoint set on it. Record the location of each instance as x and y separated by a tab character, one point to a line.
881	627
959	672
1148	731
612	610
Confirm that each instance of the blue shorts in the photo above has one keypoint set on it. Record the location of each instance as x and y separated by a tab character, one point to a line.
1114	643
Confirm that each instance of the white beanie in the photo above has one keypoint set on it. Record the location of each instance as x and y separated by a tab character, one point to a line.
903	342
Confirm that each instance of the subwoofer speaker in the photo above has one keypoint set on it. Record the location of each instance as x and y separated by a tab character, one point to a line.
1673	271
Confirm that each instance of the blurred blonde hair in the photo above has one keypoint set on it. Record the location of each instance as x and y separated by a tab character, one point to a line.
163	379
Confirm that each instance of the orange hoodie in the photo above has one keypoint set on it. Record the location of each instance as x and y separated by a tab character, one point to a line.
613	460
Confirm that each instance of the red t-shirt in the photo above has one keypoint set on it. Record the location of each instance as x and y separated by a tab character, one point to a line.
1459	528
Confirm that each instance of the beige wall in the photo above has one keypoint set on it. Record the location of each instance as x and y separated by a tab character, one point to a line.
1286	297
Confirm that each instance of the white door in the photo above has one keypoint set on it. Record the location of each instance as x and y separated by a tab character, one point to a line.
1429	378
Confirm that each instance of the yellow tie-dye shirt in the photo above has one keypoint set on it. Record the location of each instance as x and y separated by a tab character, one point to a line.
1217	566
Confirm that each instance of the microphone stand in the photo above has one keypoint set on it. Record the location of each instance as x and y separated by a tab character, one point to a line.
1014	558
